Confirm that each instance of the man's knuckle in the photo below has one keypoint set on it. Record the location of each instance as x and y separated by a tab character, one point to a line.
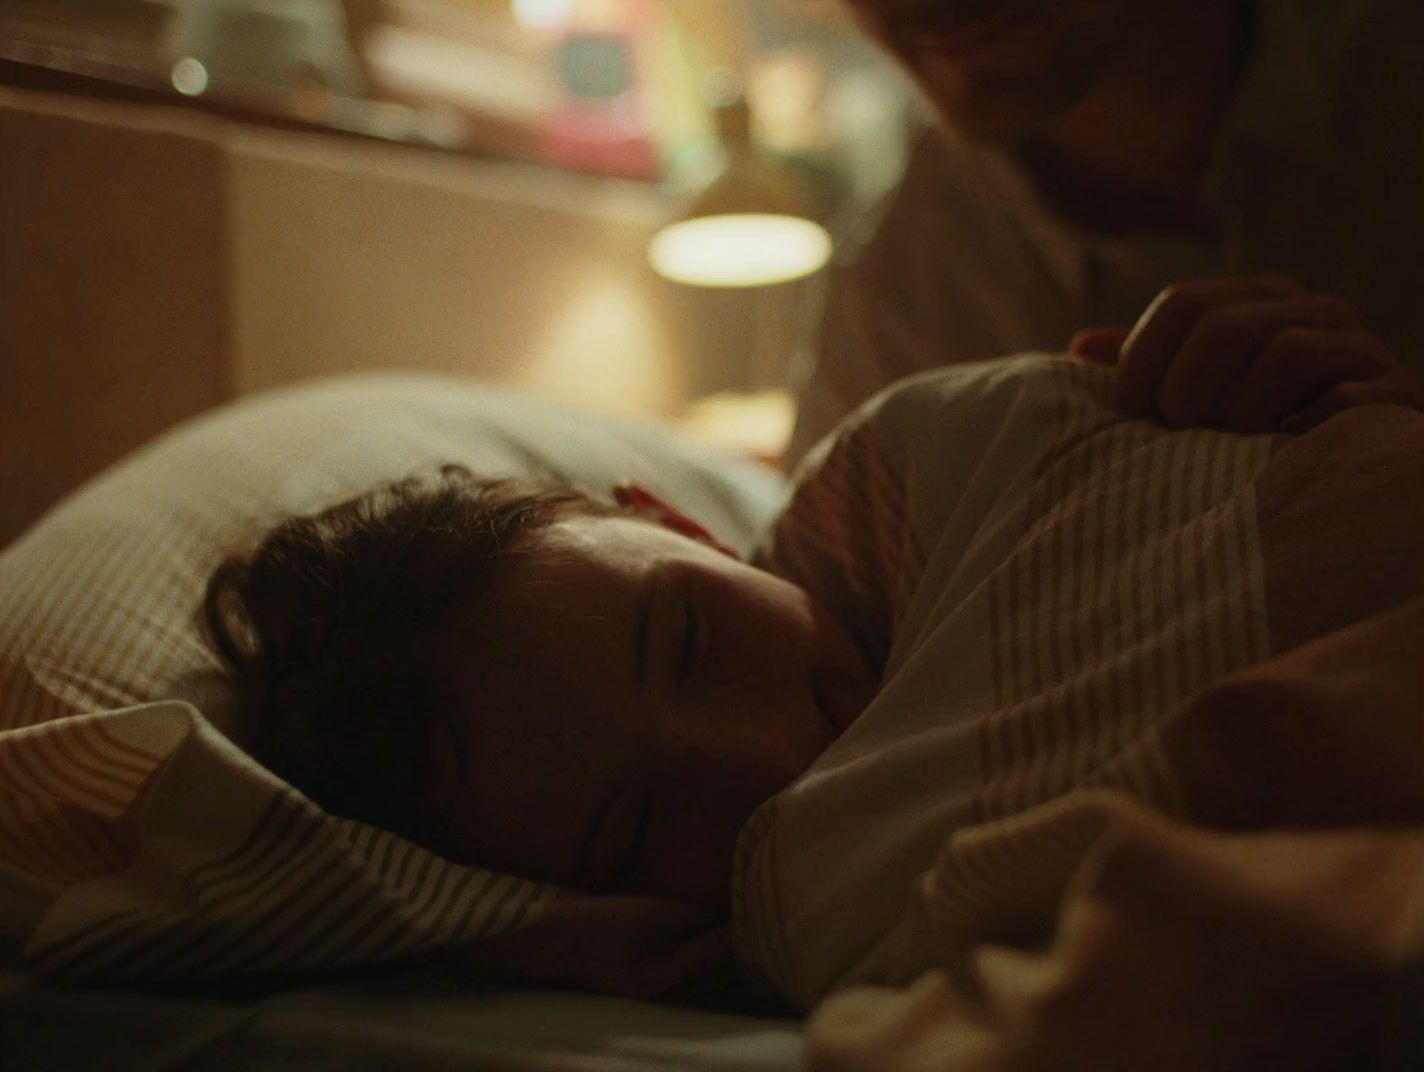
1187	298
1293	344
1280	281
1327	311
1221	326
1352	392
1275	363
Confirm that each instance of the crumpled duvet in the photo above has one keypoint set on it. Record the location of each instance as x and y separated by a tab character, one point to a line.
1146	773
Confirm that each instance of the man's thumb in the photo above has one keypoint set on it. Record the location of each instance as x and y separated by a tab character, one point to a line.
1101	345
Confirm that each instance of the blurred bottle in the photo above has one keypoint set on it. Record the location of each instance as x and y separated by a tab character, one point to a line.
603	121
295	52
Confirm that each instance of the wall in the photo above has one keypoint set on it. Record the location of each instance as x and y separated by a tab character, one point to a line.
113	317
345	255
154	263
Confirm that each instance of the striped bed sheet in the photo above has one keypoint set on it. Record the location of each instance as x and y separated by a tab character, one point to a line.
1047	585
137	841
166	853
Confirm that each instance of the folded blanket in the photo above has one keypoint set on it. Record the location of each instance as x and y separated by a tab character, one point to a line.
141	843
1181	946
1048	586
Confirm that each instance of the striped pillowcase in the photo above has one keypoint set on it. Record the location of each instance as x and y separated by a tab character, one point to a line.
136	840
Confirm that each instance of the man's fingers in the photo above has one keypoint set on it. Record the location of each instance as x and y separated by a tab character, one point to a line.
1223	347
1099	345
1298	365
1336	400
1160	332
1249	354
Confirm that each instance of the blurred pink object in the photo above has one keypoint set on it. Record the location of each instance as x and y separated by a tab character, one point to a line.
603	123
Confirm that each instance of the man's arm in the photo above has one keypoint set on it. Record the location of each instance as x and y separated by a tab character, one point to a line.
1252	355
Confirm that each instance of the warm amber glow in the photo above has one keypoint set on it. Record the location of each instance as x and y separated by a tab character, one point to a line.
758	423
740	250
605	349
543	14
190	77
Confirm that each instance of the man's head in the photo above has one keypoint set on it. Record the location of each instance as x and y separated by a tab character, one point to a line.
1006	71
524	678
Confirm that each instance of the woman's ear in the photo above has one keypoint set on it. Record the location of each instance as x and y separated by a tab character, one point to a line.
649	507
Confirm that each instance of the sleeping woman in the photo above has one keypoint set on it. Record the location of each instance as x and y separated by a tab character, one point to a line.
990	589
521	676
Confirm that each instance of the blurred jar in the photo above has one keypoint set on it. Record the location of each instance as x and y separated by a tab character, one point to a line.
289	49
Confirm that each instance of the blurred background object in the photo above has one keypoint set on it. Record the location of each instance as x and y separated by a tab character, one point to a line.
465	185
608	86
756	222
297	50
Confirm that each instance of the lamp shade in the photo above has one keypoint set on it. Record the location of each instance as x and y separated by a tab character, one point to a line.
752	225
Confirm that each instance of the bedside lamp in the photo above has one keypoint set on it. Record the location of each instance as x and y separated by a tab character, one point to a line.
751	226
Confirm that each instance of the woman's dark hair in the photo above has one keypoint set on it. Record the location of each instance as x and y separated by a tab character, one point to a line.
327	623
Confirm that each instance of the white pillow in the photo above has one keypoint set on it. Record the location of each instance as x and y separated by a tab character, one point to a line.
135	840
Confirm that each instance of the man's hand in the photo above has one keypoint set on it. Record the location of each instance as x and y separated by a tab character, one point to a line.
1252	355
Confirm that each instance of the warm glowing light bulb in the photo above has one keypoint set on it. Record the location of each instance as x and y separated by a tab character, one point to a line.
740	250
190	77
542	14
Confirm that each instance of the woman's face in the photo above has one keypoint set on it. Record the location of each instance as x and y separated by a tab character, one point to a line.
625	699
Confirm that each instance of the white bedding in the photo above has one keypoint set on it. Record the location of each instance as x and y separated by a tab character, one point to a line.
1063	577
409	1019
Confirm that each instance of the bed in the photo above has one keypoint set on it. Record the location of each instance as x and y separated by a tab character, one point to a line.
1242	815
117	952
391	1018
1143	783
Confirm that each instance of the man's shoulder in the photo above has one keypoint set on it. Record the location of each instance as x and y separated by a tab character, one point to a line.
944	178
